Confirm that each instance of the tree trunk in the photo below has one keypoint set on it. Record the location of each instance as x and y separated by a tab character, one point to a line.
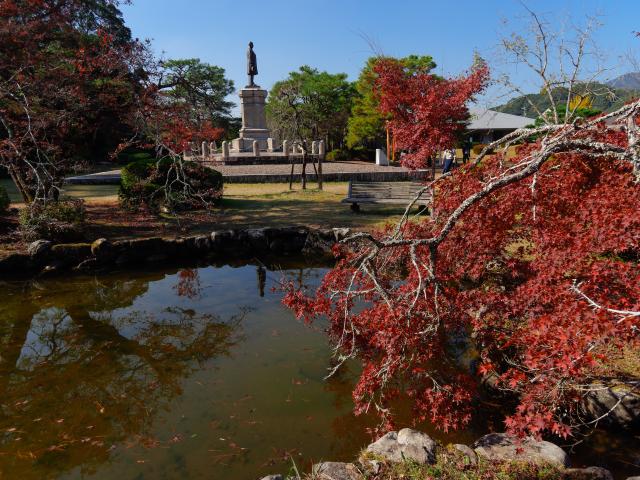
304	168
320	172
20	185
291	175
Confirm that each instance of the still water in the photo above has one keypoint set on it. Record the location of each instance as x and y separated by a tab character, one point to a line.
180	374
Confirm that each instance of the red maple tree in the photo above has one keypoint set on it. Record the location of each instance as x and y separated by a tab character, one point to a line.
530	261
70	77
74	84
426	112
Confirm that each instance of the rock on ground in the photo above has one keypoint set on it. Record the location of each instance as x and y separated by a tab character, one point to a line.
101	247
337	471
620	405
467	452
407	444
589	473
39	247
500	446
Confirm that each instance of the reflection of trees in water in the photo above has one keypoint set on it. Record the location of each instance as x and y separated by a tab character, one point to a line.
76	379
188	284
347	429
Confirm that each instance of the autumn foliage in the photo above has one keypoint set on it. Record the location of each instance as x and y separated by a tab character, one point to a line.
531	262
426	112
69	80
76	87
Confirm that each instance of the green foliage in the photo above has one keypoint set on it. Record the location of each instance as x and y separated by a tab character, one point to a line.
356	153
58	221
4	200
366	124
170	183
134	155
613	100
201	86
338	154
310	104
562	111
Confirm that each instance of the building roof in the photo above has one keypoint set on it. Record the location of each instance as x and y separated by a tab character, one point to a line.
492	120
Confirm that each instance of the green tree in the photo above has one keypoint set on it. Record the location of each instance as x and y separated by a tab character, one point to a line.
366	125
200	86
322	104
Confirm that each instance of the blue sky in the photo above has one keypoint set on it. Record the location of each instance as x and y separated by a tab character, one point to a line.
331	34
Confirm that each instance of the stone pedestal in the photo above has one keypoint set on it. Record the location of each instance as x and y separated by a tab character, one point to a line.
254	120
381	158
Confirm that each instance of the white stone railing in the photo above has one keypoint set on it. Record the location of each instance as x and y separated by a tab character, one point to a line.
209	151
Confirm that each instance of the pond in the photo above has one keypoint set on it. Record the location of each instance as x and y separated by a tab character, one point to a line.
180	374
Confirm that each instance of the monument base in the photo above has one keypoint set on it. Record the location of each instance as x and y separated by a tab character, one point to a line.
254	121
246	144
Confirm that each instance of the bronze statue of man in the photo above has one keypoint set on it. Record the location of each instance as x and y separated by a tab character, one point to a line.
252	65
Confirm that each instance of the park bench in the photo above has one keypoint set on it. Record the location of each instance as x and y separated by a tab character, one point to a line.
395	193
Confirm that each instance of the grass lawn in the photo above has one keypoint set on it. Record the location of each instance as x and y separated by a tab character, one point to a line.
243	205
275	204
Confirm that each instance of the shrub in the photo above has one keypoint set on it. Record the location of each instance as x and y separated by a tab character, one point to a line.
360	152
337	155
129	156
4	200
61	220
165	182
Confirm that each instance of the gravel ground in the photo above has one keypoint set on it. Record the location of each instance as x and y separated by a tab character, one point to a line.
327	167
277	169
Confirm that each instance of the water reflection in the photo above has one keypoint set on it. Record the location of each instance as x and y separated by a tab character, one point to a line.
178	374
77	377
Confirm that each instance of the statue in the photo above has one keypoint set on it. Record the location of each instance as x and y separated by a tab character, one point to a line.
252	65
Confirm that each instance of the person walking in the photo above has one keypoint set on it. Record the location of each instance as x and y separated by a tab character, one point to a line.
449	157
466	151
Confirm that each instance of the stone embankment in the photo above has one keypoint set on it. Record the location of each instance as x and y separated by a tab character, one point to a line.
44	257
418	448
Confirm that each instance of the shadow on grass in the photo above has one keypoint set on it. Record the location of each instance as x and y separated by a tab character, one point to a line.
316	212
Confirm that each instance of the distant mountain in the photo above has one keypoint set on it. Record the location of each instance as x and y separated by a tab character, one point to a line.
628	81
614	99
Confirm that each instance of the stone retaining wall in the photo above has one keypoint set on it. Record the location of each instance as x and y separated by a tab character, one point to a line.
43	257
400	176
371	176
